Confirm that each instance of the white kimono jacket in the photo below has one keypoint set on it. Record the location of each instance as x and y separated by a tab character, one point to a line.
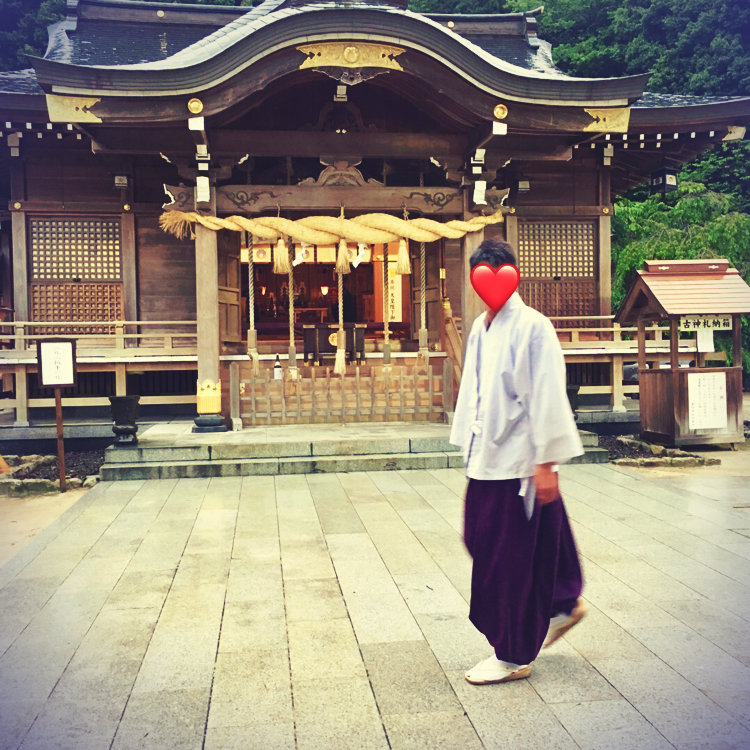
512	412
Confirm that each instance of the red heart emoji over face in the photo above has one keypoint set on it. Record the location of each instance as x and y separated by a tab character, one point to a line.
495	286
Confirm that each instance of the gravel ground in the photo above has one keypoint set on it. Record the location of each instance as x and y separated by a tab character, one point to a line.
77	464
618	450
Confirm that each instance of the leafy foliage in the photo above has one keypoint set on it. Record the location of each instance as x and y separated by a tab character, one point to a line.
690	46
23	29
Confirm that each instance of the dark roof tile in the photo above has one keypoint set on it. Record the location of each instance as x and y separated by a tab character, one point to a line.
19	82
651	99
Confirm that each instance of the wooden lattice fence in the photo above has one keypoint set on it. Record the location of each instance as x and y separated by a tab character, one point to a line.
367	393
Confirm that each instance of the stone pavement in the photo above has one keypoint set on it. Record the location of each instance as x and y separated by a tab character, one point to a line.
330	611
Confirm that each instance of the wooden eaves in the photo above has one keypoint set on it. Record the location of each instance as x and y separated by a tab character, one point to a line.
670	288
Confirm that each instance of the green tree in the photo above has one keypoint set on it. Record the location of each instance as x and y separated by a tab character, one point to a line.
23	29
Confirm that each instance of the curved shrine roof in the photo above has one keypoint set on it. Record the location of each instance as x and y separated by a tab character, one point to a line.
107	55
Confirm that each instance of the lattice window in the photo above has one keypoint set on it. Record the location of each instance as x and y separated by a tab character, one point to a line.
564	249
67	249
77	302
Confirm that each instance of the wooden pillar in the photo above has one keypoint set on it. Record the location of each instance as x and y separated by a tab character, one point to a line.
208	400
511	232
20	267
674	344
618	394
641	346
471	305
605	265
129	275
22	397
604	257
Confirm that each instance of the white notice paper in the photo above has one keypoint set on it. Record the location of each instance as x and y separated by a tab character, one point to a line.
707	401
705	340
57	363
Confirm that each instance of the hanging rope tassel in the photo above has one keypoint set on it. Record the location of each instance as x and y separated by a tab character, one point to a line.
281	257
339	366
342	259
252	335
403	264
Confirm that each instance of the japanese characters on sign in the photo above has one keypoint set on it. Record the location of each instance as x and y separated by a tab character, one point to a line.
706	322
394	293
707	401
56	359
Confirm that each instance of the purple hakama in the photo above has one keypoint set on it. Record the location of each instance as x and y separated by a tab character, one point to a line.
524	572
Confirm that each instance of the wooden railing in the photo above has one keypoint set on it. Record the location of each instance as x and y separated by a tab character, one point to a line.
451	342
591	339
129	338
613	345
367	393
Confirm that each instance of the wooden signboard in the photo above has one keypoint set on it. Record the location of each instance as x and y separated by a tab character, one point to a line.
57	369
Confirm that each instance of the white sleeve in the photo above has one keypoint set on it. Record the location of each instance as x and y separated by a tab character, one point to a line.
467	394
554	432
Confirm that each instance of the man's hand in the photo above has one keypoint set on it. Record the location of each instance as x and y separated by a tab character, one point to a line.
545	481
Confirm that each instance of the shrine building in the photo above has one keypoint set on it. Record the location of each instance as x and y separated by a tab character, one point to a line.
198	193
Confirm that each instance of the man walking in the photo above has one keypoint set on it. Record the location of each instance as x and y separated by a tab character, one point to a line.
515	425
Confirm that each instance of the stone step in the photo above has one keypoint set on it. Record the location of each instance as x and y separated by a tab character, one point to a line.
282	465
112	471
239	450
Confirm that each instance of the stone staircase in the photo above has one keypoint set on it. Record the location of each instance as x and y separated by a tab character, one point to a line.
245	458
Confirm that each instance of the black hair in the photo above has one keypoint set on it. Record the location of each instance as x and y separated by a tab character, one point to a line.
494	252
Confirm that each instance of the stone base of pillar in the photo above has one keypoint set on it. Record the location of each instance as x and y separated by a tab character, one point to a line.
209	423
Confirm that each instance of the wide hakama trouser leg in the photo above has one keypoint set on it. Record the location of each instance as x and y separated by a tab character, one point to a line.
525	570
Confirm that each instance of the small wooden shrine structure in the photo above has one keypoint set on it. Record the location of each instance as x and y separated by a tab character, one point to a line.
697	404
290	111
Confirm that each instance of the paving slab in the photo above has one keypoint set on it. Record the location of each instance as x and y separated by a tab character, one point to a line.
330	610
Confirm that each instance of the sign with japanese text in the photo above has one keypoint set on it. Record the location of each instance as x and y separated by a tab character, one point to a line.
56	358
707	401
706	322
395	285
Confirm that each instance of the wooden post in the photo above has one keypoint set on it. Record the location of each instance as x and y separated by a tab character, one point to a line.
121	380
471	305
209	418
22	397
641	344
234	396
60	441
20	267
674	344
604	258
129	272
617	392
448	394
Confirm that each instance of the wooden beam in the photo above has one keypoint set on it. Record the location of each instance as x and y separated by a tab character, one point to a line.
236	143
253	199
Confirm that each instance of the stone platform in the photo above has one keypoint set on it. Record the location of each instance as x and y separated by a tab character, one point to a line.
172	451
327	611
